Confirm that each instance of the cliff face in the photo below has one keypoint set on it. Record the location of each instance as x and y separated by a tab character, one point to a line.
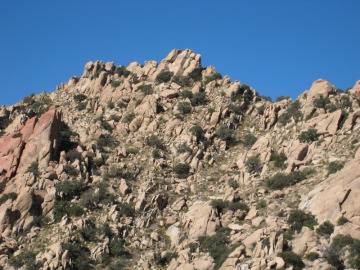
172	165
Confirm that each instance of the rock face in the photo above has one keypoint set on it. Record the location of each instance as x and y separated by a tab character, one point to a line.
39	142
337	196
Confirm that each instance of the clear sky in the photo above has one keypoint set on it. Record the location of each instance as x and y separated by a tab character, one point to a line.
277	47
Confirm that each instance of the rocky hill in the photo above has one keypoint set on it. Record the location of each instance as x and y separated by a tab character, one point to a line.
173	166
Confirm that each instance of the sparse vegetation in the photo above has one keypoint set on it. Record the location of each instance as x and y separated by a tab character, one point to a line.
198	132
182	170
293	112
299	219
164	77
279	159
253	165
308	136
122	71
215	76
224	133
154	141
281	180
325	228
184	107
128	118
34	169
334	167
292	259
146	89
248	140
198	98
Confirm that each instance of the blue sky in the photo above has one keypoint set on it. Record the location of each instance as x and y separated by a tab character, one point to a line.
277	47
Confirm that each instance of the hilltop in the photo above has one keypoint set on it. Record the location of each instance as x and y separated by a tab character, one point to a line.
174	166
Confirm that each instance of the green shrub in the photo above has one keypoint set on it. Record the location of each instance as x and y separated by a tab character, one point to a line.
293	259
219	205
182	80
325	229
166	259
292	112
156	153
4	122
198	98
122	71
344	116
280	98
183	148
114	117
341	221
186	94
333	258
234	206
146	89
79	255
279	160
34	169
73	155
312	256
121	104
321	102
182	170
126	209
154	141
340	241
106	141
261	204
111	105
198	132
354	258
298	218
234	108
8	196
215	76
62	208
224	133
17	135
29	99
69	189
248	140
184	107
26	258
334	167
80	97
253	165
232	183
81	106
308	136
70	170
261	109
164	77
128	118
133	151
115	84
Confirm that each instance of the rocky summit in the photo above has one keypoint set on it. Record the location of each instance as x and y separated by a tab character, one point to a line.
174	166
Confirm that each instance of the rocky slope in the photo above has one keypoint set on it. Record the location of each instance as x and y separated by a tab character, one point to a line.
172	166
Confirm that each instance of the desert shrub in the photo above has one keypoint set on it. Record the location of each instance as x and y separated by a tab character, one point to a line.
312	256
234	108
4	122
156	153
344	102
340	241
308	136
126	209
281	180
8	196
166	259
234	206
279	160
34	168
121	104
111	105
128	118
232	183
26	258
122	71
280	98
321	102
184	107
133	151
266	98
146	89
183	148
261	204
79	255
224	133
292	112
62	208
261	109
106	141
298	218
198	98
219	205
186	94
182	170
253	165
215	76
81	106
354	258
333	258
17	135
154	141
325	228
69	189
196	74
70	170
248	140
341	221
293	259
80	97
334	167
114	117
182	80
72	155
115	84
198	132
164	77
29	99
